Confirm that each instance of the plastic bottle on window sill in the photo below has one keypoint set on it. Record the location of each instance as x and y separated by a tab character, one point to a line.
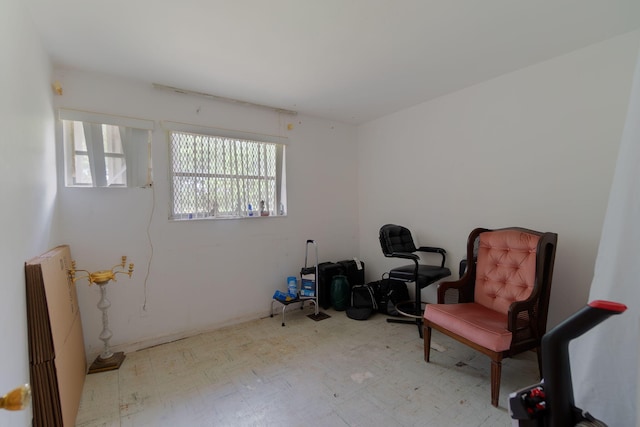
250	210
263	210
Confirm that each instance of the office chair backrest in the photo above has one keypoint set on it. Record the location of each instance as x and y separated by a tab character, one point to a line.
395	238
506	268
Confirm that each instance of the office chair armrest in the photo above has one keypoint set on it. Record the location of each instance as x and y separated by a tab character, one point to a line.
405	255
435	250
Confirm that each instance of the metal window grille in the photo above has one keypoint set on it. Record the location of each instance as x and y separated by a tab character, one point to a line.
216	176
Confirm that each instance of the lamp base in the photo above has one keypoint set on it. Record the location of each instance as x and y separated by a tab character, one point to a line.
110	364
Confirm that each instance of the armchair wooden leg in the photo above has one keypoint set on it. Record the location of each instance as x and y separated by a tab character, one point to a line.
496	370
427	343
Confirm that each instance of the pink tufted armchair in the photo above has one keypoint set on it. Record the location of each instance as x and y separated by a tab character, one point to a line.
499	306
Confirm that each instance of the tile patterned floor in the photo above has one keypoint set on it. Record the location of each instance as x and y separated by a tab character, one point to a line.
334	372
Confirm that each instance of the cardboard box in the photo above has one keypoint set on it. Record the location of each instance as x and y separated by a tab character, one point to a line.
308	285
58	364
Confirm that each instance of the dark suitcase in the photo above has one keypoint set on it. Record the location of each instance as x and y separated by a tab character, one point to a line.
326	271
354	270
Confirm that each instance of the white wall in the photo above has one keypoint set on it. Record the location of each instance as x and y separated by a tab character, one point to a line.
202	274
535	148
28	190
550	131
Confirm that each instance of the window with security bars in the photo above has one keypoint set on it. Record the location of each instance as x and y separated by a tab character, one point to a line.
223	177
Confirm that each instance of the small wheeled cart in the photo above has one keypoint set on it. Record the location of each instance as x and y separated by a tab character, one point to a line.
308	287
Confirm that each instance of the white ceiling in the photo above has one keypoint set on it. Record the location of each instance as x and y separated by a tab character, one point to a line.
345	60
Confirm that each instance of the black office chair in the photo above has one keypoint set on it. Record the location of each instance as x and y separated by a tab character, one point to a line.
396	242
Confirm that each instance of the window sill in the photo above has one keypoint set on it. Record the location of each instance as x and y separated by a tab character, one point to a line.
224	218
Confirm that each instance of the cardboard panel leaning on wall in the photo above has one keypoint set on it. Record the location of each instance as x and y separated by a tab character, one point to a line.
56	346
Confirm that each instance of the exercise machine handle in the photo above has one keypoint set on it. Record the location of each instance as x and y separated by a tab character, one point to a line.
556	369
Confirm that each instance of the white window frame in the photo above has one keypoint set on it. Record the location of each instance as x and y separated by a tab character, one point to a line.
136	152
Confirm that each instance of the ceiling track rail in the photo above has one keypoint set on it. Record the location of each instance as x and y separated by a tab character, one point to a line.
222	98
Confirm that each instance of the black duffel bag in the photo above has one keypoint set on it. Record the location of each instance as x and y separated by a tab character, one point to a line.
390	292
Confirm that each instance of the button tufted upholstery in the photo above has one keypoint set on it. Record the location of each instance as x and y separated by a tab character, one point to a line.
501	301
396	238
506	268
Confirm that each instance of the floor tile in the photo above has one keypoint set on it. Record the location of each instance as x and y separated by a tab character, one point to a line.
334	372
